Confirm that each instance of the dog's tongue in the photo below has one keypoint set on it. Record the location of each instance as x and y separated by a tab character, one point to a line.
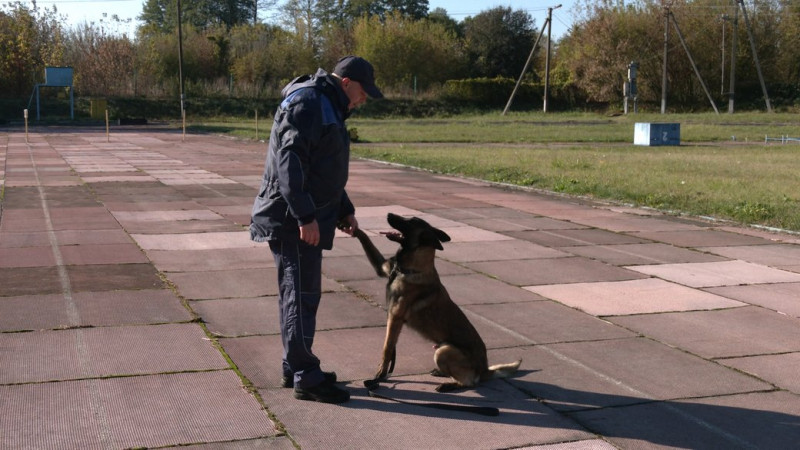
393	236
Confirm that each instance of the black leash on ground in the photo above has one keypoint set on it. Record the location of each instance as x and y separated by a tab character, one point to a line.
374	384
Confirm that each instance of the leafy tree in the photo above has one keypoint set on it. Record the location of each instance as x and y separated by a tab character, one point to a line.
788	44
158	58
498	42
162	15
302	18
103	63
439	15
600	47
261	57
30	38
402	50
608	35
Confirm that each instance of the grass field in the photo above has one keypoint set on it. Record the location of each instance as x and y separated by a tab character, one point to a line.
723	167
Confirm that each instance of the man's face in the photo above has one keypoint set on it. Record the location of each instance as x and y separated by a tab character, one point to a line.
355	93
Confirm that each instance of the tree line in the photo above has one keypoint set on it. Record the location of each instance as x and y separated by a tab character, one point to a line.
229	49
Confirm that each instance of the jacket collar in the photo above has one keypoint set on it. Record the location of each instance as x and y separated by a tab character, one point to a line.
324	82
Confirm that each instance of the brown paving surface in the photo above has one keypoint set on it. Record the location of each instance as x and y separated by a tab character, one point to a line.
127	277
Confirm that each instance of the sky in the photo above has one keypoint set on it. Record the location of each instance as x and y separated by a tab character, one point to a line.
100	12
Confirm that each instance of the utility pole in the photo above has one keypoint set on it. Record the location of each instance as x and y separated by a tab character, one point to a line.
547	59
724	18
755	55
524	69
180	67
664	68
180	54
694	66
734	49
667	16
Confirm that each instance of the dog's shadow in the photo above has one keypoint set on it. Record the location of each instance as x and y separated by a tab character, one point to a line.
417	396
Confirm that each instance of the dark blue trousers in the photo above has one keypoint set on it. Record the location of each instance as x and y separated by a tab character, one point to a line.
299	279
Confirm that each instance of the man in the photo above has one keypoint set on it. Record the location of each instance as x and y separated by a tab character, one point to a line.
301	201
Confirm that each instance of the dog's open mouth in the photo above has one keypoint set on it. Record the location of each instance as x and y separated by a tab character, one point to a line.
393	236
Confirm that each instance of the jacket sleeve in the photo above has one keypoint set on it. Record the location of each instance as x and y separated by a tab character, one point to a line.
299	132
346	207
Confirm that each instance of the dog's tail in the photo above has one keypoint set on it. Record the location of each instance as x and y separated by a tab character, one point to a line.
503	370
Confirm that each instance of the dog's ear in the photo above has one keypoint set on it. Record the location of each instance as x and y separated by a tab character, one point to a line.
439	236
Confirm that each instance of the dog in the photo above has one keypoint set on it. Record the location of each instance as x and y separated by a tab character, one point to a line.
416	297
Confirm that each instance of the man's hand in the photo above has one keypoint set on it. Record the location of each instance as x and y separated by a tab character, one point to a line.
309	233
349	224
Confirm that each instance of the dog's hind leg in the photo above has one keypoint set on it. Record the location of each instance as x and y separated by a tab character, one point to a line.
451	361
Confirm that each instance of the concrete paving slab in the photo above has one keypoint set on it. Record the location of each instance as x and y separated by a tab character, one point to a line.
85	254
252	316
498	251
602	374
33	312
39	312
632	297
195	241
377	423
488	213
478	289
182	227
113	413
16	226
112	277
373	290
745	331
27	257
725	273
546	322
521	223
780	297
207	260
106	351
18	281
649	369
758	420
589	444
225	283
136	204
280	442
780	370
353	354
774	255
569	238
125	217
641	254
348	268
701	238
623	223
599	366
129	307
530	272
236	317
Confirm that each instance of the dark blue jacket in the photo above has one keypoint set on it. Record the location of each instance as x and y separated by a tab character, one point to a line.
307	163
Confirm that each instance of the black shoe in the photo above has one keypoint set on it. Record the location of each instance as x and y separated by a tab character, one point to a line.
324	392
288	382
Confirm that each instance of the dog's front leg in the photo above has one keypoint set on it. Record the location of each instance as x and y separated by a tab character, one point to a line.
393	327
373	254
